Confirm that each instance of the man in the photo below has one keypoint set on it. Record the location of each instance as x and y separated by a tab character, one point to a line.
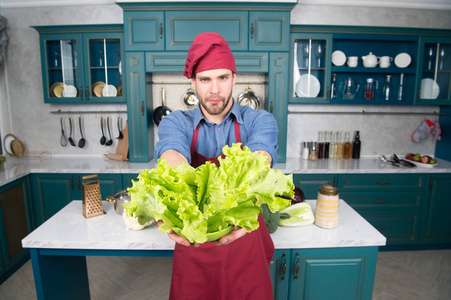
236	266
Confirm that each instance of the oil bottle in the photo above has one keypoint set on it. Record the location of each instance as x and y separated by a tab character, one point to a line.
347	146
356	144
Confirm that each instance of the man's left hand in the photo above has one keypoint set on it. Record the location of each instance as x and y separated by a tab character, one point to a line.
237	233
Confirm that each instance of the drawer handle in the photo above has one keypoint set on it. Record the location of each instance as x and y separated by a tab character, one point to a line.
161	30
381	228
252	30
383	182
284	267
297	267
380	201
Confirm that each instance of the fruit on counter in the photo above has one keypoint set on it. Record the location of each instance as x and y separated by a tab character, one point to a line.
417	157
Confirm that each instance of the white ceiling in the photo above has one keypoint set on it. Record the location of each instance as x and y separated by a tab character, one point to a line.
419	4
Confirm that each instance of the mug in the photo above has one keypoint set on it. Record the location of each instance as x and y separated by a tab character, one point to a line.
385	61
353	61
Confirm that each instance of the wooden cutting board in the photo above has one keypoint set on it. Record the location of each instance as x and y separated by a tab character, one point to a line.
122	146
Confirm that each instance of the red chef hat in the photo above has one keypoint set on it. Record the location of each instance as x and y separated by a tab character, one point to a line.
209	51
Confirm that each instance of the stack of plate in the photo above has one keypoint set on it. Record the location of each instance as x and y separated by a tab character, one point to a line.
97	88
70	91
56	90
109	91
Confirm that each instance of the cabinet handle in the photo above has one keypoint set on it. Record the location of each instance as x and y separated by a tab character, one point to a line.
271	107
419	95
328	93
284	266
381	201
72	184
297	267
161	30
335	181
383	182
252	30
142	108
431	184
381	228
87	93
80	92
78	183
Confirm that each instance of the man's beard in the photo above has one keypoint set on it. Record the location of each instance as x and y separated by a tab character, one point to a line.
216	110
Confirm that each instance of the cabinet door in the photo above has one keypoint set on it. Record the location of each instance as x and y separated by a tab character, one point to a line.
333	273
310	184
438	223
139	109
434	71
103	67
310	68
279	273
15	220
183	26
269	31
144	30
127	180
62	67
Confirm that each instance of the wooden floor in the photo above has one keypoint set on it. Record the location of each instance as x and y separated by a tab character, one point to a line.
399	275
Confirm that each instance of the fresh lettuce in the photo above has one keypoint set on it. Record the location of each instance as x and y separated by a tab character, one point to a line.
195	201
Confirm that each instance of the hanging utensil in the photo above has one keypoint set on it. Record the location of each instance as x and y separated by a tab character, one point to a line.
121	136
71	141
82	141
103	138
248	98
161	111
110	141
190	98
63	135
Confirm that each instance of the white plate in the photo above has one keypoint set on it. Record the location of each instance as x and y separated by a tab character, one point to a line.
422	165
70	91
109	91
308	86
402	60
429	89
338	58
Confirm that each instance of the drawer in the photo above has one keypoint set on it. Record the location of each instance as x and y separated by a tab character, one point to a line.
402	228
383	200
310	183
381	182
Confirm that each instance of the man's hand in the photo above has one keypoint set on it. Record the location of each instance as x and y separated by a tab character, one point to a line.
237	233
176	238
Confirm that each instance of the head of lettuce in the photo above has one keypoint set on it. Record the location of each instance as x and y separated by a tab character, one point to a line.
196	201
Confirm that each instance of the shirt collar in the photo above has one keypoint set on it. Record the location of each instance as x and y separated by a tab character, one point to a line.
235	110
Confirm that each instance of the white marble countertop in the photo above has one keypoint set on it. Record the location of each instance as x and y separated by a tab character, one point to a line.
17	167
69	229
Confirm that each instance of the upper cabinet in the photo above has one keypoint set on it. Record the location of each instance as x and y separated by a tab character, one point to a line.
434	70
369	65
82	64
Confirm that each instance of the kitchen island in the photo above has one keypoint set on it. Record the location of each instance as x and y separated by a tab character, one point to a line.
59	246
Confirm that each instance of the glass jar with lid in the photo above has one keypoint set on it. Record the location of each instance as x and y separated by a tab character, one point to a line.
327	207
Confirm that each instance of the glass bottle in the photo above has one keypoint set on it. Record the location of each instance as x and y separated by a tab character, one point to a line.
386	89
356	144
333	87
347	146
401	83
320	152
339	151
333	146
326	144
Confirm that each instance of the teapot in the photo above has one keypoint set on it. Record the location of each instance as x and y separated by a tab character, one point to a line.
370	60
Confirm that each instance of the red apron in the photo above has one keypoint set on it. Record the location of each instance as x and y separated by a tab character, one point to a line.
239	270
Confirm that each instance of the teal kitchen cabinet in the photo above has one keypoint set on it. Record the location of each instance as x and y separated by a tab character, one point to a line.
279	273
437	228
392	203
332	273
434	71
310	183
16	222
144	30
127	180
82	63
52	192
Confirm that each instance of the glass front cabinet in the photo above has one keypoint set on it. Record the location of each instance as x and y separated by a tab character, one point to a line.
309	76
435	68
82	64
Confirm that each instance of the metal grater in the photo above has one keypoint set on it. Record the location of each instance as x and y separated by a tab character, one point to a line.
92	199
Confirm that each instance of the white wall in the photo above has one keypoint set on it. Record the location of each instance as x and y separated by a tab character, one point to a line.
31	121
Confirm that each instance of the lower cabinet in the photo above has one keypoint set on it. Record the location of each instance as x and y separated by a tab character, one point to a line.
16	221
324	273
310	183
52	192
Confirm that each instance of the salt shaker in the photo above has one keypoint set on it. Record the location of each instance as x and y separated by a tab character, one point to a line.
327	207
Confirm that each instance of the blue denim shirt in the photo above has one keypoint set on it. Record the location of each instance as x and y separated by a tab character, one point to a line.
258	130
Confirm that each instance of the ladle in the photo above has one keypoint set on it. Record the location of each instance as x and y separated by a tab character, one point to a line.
103	138
63	135
110	141
71	141
82	141
121	136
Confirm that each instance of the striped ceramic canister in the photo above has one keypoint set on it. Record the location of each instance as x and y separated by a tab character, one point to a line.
327	207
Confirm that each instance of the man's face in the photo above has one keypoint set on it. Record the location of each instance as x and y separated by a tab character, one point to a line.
214	91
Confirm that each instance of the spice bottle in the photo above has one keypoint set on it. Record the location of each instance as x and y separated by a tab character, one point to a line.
327	207
305	151
320	148
339	151
347	146
333	146
326	144
356	144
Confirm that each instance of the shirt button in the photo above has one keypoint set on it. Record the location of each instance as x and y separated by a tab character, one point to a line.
219	128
